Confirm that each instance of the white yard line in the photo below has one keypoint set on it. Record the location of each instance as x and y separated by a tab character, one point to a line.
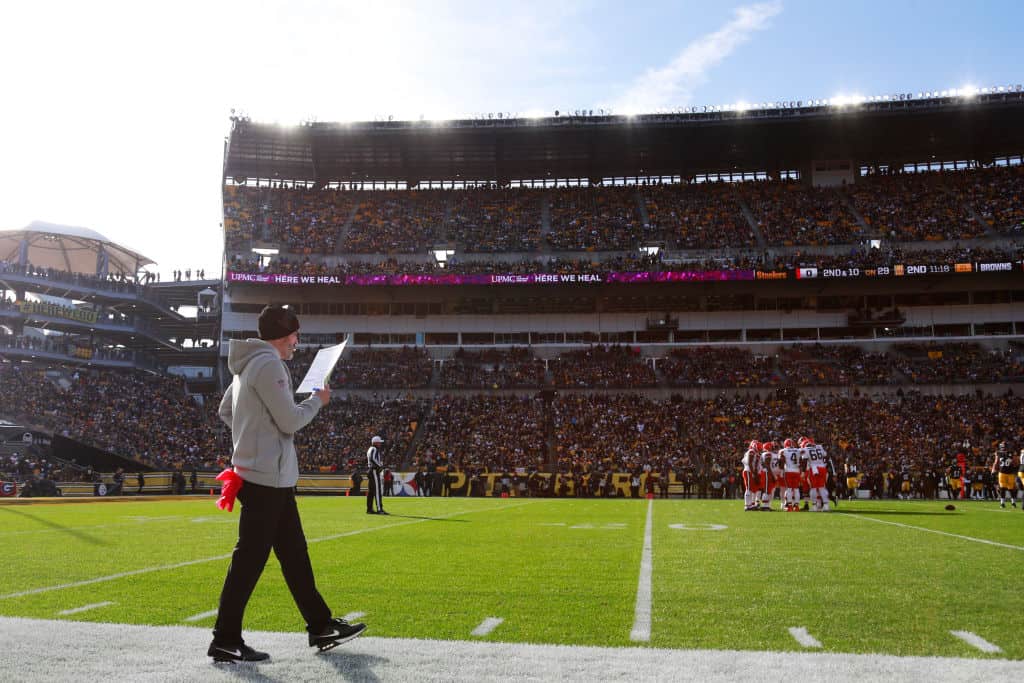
84	608
201	616
974	640
486	626
803	637
216	558
935	531
352	616
112	577
178	653
61	530
642	613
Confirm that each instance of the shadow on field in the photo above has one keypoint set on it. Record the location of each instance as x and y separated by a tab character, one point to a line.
245	672
80	535
909	513
432	519
354	667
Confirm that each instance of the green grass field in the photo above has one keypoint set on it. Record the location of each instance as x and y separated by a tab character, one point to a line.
870	578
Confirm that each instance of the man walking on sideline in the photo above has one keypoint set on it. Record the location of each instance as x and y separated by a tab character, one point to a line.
375	486
260	408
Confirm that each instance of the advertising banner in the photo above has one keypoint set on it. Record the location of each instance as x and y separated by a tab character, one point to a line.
629	277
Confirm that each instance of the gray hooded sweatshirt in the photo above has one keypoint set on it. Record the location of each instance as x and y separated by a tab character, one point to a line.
260	408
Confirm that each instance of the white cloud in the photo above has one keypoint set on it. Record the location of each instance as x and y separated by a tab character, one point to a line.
673	85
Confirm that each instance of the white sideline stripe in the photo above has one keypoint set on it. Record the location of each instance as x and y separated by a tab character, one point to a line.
201	616
977	641
84	608
177	653
487	625
354	615
803	637
935	531
203	560
642	613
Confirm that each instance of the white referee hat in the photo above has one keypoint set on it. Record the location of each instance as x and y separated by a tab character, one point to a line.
376	439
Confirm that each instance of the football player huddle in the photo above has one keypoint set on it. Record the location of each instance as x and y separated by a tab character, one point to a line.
797	469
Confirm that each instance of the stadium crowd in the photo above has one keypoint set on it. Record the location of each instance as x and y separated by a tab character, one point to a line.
621	367
63	346
579	433
910	207
704	216
855	257
958	362
996	194
904	207
496	220
716	367
602	367
789	213
397	222
495	433
404	368
492	369
140	415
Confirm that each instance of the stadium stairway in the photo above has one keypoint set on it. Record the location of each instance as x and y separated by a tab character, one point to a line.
990	229
752	222
409	457
339	240
861	221
659	377
442	230
545	222
641	207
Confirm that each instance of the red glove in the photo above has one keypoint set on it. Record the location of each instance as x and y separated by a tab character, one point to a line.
232	485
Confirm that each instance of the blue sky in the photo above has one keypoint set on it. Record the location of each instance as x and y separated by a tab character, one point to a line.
115	112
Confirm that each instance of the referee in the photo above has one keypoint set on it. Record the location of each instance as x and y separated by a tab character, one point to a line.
375	466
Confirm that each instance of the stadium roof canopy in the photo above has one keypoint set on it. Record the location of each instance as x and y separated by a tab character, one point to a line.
68	248
594	147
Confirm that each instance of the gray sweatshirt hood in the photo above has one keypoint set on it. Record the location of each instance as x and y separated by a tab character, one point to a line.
241	352
260	408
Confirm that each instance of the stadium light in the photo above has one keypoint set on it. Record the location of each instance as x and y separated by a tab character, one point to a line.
442	255
844	100
968	91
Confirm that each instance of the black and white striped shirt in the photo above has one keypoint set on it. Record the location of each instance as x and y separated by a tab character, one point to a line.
373	459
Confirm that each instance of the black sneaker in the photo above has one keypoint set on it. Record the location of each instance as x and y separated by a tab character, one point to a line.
336	632
382	512
235	653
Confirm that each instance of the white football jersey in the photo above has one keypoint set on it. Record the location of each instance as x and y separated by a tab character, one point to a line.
791	459
816	456
751	461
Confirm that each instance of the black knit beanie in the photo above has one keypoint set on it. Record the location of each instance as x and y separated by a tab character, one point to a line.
277	322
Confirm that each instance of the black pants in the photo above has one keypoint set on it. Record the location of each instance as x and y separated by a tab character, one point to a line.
375	490
269	519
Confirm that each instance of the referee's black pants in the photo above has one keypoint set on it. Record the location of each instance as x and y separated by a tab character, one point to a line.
375	490
269	519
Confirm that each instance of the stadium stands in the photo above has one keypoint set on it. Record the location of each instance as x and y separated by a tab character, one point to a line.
602	375
702	216
496	220
902	207
492	369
